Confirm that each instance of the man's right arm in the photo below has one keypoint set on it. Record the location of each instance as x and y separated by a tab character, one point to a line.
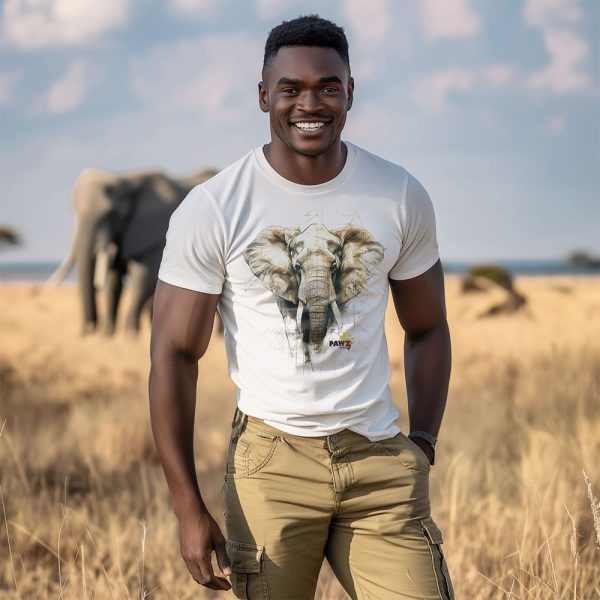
182	322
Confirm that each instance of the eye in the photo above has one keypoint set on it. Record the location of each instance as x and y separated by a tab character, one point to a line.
296	267
330	90
288	91
334	265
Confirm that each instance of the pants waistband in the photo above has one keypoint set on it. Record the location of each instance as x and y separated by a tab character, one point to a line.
240	421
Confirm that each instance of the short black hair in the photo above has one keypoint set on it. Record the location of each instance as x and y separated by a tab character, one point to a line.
307	30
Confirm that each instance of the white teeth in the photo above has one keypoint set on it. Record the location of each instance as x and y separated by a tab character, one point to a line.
310	126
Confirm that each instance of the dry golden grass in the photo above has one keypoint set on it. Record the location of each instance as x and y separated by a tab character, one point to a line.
85	508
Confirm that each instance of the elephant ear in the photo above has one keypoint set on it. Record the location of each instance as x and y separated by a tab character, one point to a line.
268	257
359	255
152	198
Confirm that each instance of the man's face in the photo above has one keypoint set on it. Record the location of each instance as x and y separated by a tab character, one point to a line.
307	91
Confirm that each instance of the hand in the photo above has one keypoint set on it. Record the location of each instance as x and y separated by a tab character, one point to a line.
199	535
425	446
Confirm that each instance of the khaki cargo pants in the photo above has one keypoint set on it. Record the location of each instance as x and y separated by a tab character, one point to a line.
292	500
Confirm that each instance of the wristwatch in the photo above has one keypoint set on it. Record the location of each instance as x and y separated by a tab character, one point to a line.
430	439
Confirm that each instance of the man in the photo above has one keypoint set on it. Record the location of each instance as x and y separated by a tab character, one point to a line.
296	245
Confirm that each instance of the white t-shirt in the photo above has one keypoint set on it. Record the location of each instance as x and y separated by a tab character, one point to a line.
303	275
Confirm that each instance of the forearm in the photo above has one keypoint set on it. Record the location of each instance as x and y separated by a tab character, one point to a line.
427	365
172	390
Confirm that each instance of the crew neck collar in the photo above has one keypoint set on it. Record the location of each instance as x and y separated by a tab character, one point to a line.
318	188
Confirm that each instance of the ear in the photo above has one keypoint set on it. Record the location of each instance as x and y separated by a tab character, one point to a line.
350	93
269	259
263	97
150	200
359	255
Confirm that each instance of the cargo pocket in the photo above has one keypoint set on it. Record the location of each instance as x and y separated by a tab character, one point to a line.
248	578
433	535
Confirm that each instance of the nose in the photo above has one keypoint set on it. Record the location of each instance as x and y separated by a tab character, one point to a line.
309	101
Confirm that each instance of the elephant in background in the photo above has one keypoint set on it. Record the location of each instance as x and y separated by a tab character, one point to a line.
120	229
313	273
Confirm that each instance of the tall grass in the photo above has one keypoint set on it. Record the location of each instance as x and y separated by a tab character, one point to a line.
79	473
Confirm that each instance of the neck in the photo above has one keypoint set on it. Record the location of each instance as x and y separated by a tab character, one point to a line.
306	170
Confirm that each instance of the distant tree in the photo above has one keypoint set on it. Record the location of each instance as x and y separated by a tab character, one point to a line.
581	258
494	273
9	236
474	281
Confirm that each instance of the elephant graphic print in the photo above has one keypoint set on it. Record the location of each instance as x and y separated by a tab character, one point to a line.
313	273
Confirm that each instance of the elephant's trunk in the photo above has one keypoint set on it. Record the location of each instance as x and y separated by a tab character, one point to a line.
318	312
317	290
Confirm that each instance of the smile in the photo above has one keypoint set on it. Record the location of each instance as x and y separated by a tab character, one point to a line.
310	125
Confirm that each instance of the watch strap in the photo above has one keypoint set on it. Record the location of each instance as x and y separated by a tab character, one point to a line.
426	436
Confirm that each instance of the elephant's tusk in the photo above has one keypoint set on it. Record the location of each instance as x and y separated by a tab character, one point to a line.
299	315
337	314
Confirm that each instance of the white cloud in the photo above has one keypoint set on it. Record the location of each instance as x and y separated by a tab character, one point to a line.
8	82
196	8
564	73
369	121
68	93
499	75
216	75
546	14
370	20
432	90
268	10
36	24
556	124
449	19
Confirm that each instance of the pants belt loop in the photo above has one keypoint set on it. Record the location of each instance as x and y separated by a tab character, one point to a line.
239	421
236	416
243	420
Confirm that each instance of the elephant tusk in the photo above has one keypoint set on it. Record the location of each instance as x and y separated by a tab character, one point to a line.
337	314
299	315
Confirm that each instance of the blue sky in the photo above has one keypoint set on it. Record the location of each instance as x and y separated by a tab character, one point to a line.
494	105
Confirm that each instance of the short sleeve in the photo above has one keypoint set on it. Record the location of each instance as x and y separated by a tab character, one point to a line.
419	250
193	256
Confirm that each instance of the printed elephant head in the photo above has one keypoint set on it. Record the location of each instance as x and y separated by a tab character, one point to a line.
314	269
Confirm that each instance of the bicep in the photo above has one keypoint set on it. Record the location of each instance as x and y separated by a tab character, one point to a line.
182	319
419	301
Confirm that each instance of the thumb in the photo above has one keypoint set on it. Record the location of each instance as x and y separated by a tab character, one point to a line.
221	554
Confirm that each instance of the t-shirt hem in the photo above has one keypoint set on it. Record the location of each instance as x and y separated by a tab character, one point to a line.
195	286
417	270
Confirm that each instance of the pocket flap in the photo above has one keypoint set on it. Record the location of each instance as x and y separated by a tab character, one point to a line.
432	530
244	557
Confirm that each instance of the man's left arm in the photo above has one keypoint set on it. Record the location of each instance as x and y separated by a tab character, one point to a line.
421	308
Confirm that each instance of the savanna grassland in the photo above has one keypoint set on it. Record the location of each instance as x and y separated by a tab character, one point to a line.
85	510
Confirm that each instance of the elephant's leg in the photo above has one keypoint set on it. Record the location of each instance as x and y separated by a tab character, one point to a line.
87	292
142	283
113	289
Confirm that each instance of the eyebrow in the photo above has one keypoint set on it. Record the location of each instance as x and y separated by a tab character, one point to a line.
330	79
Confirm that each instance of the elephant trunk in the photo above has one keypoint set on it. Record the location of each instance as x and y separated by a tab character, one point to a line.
317	290
318	312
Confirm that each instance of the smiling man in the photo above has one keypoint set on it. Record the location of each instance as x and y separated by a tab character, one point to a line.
297	245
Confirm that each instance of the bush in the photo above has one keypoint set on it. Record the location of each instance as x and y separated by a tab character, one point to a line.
494	273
